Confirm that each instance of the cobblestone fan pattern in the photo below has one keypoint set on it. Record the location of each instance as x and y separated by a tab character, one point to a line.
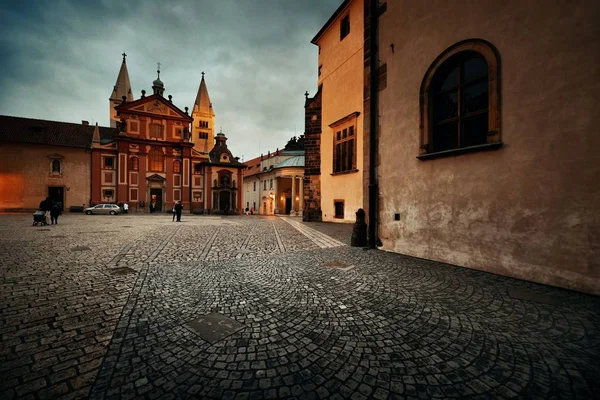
337	322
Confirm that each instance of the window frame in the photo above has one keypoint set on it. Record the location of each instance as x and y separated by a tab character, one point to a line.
335	203
344	26
489	53
340	164
176	166
134	164
154	155
153	134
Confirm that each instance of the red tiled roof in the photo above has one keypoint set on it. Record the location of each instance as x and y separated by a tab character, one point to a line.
51	133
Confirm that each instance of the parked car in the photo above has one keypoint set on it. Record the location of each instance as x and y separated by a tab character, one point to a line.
111	209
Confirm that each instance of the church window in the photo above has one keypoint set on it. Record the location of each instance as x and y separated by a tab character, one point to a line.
178	131
133	194
176	180
108	193
203	135
197	168
133	126
56	170
177	167
460	97
108	162
156	131
270	184
265	184
344	149
134	163
254	186
344	27
156	160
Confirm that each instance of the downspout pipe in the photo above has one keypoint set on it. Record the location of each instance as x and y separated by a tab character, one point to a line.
373	122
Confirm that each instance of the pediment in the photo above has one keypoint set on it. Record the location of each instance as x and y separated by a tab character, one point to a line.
154	104
156	177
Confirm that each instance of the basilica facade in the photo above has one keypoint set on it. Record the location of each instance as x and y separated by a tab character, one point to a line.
153	155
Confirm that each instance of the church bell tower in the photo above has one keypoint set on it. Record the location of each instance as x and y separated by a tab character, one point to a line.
203	126
121	88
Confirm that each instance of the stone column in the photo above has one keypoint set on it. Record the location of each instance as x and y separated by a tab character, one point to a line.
294	208
276	199
301	204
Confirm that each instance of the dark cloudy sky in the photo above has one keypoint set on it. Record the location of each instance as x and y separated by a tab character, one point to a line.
60	60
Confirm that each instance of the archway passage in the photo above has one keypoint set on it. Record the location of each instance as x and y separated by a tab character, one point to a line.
225	201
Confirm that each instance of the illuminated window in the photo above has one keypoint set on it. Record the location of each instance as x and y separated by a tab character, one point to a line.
177	167
134	163
156	160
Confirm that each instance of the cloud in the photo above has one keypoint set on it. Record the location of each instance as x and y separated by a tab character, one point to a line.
61	59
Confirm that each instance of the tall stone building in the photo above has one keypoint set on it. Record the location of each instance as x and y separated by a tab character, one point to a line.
337	107
485	134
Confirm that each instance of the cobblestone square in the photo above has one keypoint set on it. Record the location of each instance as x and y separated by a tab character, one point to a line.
98	307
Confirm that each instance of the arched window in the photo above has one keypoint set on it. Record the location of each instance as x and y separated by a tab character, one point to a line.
460	101
56	167
134	164
156	160
176	167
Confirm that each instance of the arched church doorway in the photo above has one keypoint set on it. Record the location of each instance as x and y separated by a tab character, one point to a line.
225	201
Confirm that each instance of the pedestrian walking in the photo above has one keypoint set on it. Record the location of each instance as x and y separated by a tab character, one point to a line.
125	208
54	212
178	209
45	206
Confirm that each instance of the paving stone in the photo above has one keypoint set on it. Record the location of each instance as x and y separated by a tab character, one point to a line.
317	318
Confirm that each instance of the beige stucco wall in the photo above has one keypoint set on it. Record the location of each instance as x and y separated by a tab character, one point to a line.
25	175
530	209
342	79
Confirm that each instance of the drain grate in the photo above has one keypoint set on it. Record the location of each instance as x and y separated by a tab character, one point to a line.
214	327
122	271
80	248
339	265
520	294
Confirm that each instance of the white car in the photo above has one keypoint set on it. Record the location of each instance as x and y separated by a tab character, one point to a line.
111	209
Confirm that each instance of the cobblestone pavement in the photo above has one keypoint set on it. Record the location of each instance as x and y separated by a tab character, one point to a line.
251	307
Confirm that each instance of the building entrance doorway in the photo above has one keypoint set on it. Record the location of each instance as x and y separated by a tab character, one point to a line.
56	194
288	205
225	201
155	200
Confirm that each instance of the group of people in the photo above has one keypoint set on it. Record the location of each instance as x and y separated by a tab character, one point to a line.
51	208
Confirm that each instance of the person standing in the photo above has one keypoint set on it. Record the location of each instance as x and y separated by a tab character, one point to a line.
125	208
178	209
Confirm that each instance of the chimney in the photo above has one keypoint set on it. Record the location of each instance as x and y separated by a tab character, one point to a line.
84	122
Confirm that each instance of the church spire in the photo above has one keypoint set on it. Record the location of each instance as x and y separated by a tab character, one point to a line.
202	103
121	88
